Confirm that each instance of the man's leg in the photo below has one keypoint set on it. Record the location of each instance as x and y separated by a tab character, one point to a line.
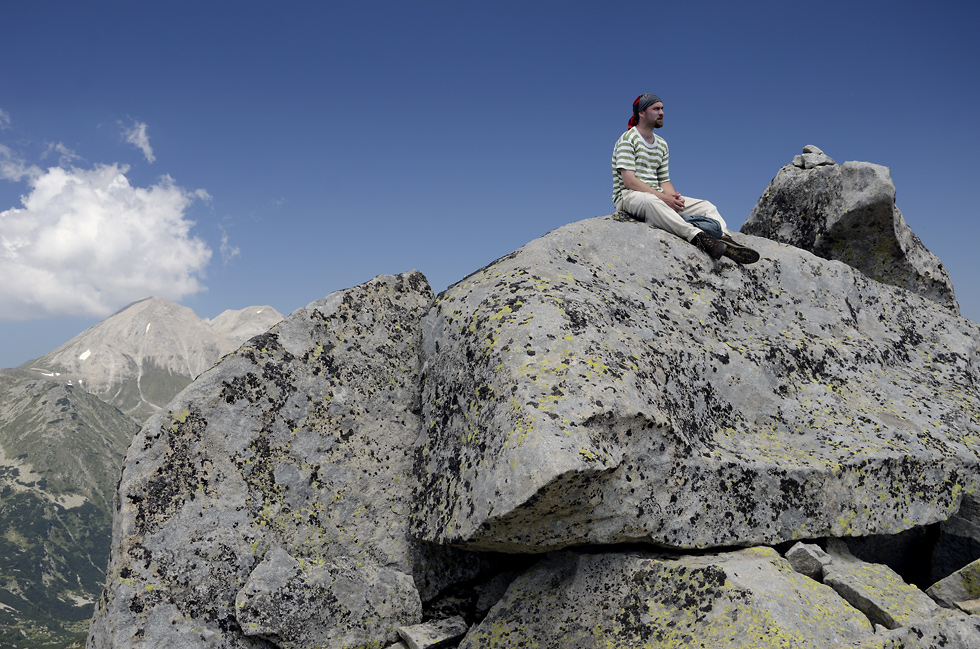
733	250
698	207
657	213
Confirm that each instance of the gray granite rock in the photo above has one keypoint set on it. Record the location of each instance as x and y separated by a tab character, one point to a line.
959	540
812	157
875	589
808	559
961	586
341	603
334	482
608	383
296	450
945	630
847	213
434	633
736	600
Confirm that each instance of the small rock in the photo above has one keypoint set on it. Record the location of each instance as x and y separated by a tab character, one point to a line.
971	606
960	587
812	159
434	633
808	559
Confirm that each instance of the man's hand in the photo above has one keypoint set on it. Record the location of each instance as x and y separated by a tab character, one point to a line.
674	200
668	194
672	197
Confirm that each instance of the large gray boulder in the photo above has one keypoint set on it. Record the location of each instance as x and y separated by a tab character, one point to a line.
270	502
876	590
335	481
608	383
847	213
620	600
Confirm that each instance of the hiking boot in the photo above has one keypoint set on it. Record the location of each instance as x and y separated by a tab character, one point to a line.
738	253
714	247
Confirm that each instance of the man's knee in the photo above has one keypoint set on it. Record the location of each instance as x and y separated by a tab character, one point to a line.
640	204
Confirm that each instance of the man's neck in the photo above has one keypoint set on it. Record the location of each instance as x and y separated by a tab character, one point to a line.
646	131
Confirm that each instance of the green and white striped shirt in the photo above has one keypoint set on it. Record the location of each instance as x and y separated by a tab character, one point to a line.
648	162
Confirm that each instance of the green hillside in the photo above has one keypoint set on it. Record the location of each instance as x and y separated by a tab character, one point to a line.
61	452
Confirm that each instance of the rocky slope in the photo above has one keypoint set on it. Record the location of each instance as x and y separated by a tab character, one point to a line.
139	358
602	439
61	452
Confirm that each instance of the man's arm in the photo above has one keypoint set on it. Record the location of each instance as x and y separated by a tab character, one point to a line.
669	195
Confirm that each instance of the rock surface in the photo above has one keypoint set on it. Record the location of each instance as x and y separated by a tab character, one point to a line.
606	404
606	383
435	633
847	213
876	590
946	630
737	600
341	603
295	452
960	587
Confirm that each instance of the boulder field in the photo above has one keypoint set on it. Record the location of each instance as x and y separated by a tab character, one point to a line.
604	439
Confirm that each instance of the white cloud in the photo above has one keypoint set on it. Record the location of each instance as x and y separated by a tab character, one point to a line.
13	168
86	242
65	155
228	251
136	135
4	119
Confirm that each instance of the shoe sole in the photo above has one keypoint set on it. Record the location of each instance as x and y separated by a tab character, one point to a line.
740	254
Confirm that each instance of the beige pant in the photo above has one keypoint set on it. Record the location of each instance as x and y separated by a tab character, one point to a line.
657	213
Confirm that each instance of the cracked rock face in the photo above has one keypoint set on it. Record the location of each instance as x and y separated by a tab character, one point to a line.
608	383
269	504
847	213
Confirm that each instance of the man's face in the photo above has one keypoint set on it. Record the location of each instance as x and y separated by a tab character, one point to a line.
654	115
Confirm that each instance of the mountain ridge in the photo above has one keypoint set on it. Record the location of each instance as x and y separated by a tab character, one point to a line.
140	357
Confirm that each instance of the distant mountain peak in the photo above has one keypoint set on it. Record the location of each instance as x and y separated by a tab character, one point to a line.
144	354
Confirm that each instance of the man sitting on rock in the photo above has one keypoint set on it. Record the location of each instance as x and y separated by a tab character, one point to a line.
642	188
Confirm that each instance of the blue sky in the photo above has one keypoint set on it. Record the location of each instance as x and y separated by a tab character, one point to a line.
228	154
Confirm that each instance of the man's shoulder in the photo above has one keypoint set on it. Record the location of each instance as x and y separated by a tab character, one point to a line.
629	135
630	138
